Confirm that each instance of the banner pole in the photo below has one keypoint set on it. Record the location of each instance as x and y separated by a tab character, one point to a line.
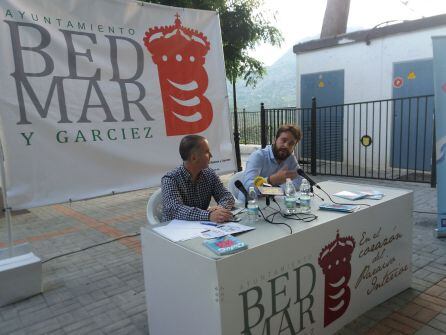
6	208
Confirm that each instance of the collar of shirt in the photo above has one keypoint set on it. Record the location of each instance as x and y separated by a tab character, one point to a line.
187	175
271	155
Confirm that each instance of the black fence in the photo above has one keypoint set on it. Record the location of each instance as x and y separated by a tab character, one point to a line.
250	123
389	139
249	126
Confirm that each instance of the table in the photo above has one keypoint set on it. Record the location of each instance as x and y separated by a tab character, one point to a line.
313	281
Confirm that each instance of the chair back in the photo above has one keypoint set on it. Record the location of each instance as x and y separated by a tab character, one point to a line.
155	208
231	183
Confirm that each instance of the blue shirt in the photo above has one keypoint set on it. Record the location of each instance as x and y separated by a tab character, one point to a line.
263	163
184	199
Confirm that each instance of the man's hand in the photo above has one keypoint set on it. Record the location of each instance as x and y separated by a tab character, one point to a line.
280	176
220	214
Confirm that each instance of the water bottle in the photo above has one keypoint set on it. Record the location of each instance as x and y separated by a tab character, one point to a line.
253	206
290	197
305	206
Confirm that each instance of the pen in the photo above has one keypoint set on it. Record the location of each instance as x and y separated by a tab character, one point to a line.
209	224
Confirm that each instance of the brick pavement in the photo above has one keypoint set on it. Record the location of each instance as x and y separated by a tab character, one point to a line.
101	290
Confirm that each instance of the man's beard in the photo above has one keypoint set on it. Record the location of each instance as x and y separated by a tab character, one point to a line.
280	155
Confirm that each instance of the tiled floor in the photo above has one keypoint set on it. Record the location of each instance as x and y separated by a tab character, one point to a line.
100	290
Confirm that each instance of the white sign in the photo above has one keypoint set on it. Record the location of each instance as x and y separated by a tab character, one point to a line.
96	96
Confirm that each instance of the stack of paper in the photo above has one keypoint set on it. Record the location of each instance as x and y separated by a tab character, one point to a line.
180	230
338	207
366	194
373	194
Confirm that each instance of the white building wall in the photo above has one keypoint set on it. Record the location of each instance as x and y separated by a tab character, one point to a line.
368	68
368	71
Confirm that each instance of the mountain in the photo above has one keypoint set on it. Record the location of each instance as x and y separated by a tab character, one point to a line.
276	89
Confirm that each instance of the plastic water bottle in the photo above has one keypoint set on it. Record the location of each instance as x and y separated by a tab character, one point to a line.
290	197
253	206
305	205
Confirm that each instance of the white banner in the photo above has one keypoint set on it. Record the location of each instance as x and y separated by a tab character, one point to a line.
96	96
439	46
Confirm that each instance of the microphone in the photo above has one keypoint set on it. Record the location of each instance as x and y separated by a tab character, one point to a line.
301	172
261	181
242	189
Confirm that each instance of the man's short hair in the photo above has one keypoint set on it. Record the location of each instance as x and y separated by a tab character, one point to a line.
293	129
189	144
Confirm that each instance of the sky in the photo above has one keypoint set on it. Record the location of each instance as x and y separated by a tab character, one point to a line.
300	20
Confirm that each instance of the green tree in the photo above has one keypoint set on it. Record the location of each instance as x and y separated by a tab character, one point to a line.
243	26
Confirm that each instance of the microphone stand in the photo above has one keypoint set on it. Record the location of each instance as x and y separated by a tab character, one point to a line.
268	201
312	191
301	173
316	194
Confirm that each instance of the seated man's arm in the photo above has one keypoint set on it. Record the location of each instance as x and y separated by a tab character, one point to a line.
173	206
289	170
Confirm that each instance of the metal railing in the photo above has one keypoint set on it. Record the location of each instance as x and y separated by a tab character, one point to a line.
388	139
249	126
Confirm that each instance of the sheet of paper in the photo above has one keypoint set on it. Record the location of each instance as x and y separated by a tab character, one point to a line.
368	194
177	234
225	229
373	194
234	228
270	190
212	233
180	230
183	224
349	195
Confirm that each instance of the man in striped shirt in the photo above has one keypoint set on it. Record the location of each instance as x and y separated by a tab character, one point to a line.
187	190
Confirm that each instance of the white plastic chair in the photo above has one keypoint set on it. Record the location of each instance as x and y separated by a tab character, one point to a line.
231	184
155	208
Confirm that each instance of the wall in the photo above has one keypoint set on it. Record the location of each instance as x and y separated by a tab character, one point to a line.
368	76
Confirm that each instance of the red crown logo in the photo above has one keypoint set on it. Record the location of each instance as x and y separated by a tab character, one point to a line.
334	259
179	54
340	249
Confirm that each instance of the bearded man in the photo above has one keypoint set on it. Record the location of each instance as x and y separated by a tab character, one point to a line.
276	162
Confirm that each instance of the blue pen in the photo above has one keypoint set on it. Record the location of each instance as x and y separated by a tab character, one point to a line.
209	224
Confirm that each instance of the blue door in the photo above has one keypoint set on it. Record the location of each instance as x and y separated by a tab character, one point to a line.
412	119
328	89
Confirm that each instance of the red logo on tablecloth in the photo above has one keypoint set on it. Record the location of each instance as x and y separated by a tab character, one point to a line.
334	260
179	53
398	82
444	87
